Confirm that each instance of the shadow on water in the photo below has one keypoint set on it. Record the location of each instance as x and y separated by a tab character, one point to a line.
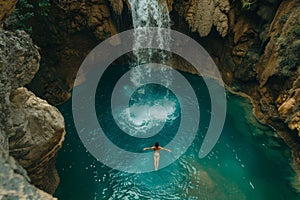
248	162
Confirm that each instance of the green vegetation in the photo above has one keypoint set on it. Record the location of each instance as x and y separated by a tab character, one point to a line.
248	4
25	11
44	7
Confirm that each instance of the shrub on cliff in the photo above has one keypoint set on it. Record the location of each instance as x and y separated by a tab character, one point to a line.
25	11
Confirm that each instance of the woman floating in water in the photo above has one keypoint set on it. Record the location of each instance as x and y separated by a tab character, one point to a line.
156	155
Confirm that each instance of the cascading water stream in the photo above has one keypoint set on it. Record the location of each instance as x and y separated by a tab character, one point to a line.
147	113
147	14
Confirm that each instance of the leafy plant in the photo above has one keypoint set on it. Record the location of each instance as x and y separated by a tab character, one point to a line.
25	11
248	4
44	6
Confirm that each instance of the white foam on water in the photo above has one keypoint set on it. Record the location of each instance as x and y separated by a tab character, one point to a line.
147	118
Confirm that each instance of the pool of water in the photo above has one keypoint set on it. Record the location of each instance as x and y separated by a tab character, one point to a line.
248	162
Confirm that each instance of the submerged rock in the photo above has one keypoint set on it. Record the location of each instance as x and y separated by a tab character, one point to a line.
208	183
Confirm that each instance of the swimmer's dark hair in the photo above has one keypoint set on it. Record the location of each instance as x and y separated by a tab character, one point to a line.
156	144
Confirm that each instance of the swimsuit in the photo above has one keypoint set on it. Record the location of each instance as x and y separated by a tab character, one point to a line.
156	154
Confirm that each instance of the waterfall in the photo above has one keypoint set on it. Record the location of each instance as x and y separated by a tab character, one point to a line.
147	14
151	106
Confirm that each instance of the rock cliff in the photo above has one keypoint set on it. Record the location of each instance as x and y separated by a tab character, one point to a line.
65	39
201	16
31	131
259	56
15	184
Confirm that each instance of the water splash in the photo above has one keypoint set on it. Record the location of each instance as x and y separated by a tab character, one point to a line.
147	116
139	119
148	113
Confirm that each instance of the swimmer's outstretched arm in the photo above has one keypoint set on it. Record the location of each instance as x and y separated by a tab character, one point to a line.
165	149
148	148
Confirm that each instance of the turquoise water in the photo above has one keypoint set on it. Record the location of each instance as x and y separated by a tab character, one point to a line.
248	162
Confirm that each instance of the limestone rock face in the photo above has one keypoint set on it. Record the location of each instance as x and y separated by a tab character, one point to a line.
203	15
289	110
76	27
6	8
71	31
15	182
30	129
37	136
244	56
94	15
19	61
266	67
278	68
259	57
281	57
117	6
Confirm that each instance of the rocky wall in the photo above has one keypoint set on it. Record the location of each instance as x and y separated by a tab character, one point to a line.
31	130
259	56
